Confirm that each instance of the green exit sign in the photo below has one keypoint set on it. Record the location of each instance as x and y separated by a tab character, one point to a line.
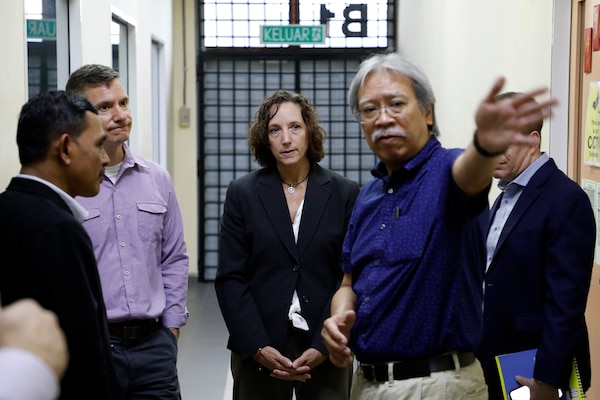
293	34
41	28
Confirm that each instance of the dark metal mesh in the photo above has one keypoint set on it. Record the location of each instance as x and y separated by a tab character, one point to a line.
234	77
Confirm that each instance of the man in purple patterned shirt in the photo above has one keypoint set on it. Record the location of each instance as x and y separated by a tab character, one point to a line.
409	305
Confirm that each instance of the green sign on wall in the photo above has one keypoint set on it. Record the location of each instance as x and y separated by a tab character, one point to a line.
292	34
41	28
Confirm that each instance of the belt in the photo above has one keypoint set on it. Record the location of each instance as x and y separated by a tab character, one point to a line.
415	368
134	328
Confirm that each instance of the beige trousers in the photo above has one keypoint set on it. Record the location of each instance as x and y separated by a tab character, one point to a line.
466	383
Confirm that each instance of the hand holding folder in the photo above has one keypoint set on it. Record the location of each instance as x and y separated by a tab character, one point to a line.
522	363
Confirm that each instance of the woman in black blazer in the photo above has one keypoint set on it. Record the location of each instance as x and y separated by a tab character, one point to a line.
279	258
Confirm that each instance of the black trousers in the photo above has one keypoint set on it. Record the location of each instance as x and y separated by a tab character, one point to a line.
147	368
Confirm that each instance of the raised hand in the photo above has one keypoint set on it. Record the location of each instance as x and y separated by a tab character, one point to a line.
500	122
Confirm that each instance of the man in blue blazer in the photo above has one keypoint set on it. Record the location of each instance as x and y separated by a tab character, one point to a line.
540	253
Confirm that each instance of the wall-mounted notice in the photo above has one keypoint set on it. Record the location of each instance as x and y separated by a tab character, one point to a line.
592	128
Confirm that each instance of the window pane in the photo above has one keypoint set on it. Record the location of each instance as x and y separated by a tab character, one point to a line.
41	45
238	23
119	41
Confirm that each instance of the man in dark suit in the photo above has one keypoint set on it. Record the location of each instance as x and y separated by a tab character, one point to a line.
46	253
540	250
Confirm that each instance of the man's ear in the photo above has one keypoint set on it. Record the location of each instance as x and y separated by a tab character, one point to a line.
429	117
538	138
534	140
64	145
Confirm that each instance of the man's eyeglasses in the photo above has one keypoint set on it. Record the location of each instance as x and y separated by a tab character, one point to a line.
369	112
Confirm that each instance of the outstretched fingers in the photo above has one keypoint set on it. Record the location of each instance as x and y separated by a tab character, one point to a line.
495	90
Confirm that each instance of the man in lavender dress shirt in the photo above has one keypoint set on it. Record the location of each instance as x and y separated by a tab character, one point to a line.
137	231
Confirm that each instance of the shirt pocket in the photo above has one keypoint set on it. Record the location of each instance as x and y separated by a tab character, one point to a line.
150	220
96	223
406	240
93	214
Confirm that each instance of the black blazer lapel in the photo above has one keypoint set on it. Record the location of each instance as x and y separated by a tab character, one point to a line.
315	201
528	197
273	200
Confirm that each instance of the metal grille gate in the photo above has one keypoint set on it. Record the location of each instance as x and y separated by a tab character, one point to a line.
231	84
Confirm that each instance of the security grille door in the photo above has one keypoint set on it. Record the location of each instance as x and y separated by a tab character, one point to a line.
237	69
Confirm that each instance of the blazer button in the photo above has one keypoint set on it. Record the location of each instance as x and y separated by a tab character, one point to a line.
304	299
295	268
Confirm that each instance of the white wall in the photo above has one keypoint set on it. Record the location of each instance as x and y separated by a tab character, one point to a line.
90	42
464	45
183	140
13	87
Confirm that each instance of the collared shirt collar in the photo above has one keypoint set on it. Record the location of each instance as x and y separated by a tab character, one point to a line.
524	177
380	170
79	212
131	159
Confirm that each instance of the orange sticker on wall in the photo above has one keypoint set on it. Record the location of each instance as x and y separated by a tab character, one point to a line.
596	28
587	50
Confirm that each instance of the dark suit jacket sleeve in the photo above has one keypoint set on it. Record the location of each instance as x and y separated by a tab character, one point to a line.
235	300
71	288
568	268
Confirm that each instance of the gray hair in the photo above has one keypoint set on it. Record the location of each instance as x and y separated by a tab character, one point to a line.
396	64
